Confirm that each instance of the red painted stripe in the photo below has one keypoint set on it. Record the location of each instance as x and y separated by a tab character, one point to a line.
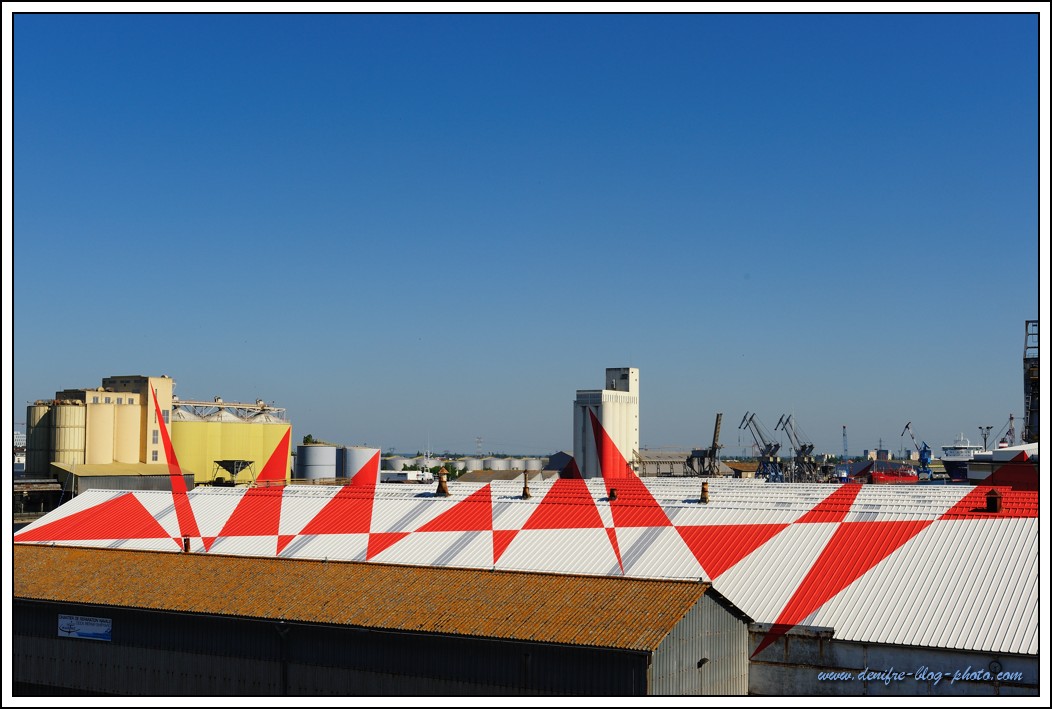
854	549
369	474
612	533
472	514
283	541
718	547
183	511
275	470
612	463
835	507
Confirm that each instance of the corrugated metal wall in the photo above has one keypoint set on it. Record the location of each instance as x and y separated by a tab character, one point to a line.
128	482
707	631
179	654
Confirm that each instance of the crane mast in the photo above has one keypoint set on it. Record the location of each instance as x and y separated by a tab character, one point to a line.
803	467
770	466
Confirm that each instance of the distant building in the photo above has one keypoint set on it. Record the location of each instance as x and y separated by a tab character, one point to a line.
114	428
616	408
18	439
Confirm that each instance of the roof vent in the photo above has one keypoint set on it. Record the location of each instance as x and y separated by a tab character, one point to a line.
613	494
525	486
705	492
993	500
443	490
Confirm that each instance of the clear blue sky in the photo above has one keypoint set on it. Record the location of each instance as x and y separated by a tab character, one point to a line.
427	228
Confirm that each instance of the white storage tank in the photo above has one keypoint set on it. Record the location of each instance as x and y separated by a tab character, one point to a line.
472	464
533	464
67	433
355	458
516	464
455	464
315	462
396	463
496	464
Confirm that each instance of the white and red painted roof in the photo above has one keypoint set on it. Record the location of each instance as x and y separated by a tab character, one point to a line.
908	565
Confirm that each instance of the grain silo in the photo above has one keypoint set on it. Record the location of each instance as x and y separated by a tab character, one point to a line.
126	436
100	434
68	432
38	437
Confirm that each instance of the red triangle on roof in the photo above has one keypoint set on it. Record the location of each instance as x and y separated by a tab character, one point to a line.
1013	504
718	547
350	511
184	512
612	533
208	542
634	506
382	540
567	505
501	539
472	514
283	541
276	469
258	513
835	507
852	550
122	517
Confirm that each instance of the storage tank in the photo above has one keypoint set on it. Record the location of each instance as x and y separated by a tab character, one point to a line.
456	464
126	437
496	464
357	457
472	464
516	464
99	428
315	462
38	437
224	416
533	464
67	433
397	463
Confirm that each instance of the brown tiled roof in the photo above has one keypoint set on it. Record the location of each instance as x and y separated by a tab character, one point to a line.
599	611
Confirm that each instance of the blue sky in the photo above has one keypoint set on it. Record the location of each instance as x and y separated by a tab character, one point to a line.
413	229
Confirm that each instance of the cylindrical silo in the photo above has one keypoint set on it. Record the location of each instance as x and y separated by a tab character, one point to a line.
99	429
38	437
495	464
126	438
396	463
472	464
516	464
67	433
357	457
315	462
534	464
457	464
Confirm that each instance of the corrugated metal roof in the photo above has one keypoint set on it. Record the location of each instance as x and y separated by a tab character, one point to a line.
630	614
784	553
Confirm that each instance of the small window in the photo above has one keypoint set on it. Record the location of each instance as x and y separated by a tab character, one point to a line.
131	399
94	399
155	434
153	456
165	414
120	399
107	400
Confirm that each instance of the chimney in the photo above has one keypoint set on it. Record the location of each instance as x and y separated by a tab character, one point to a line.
705	492
186	544
525	486
613	494
993	500
442	490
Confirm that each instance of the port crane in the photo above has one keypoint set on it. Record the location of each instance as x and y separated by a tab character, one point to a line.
923	450
803	466
770	466
705	461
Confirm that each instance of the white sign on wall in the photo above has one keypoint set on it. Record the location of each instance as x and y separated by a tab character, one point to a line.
83	626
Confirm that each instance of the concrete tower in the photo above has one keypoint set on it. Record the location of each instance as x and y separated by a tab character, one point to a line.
616	407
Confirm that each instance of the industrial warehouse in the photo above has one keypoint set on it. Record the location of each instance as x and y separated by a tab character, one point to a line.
595	582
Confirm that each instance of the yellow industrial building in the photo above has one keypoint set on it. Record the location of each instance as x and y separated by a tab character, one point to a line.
112	430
